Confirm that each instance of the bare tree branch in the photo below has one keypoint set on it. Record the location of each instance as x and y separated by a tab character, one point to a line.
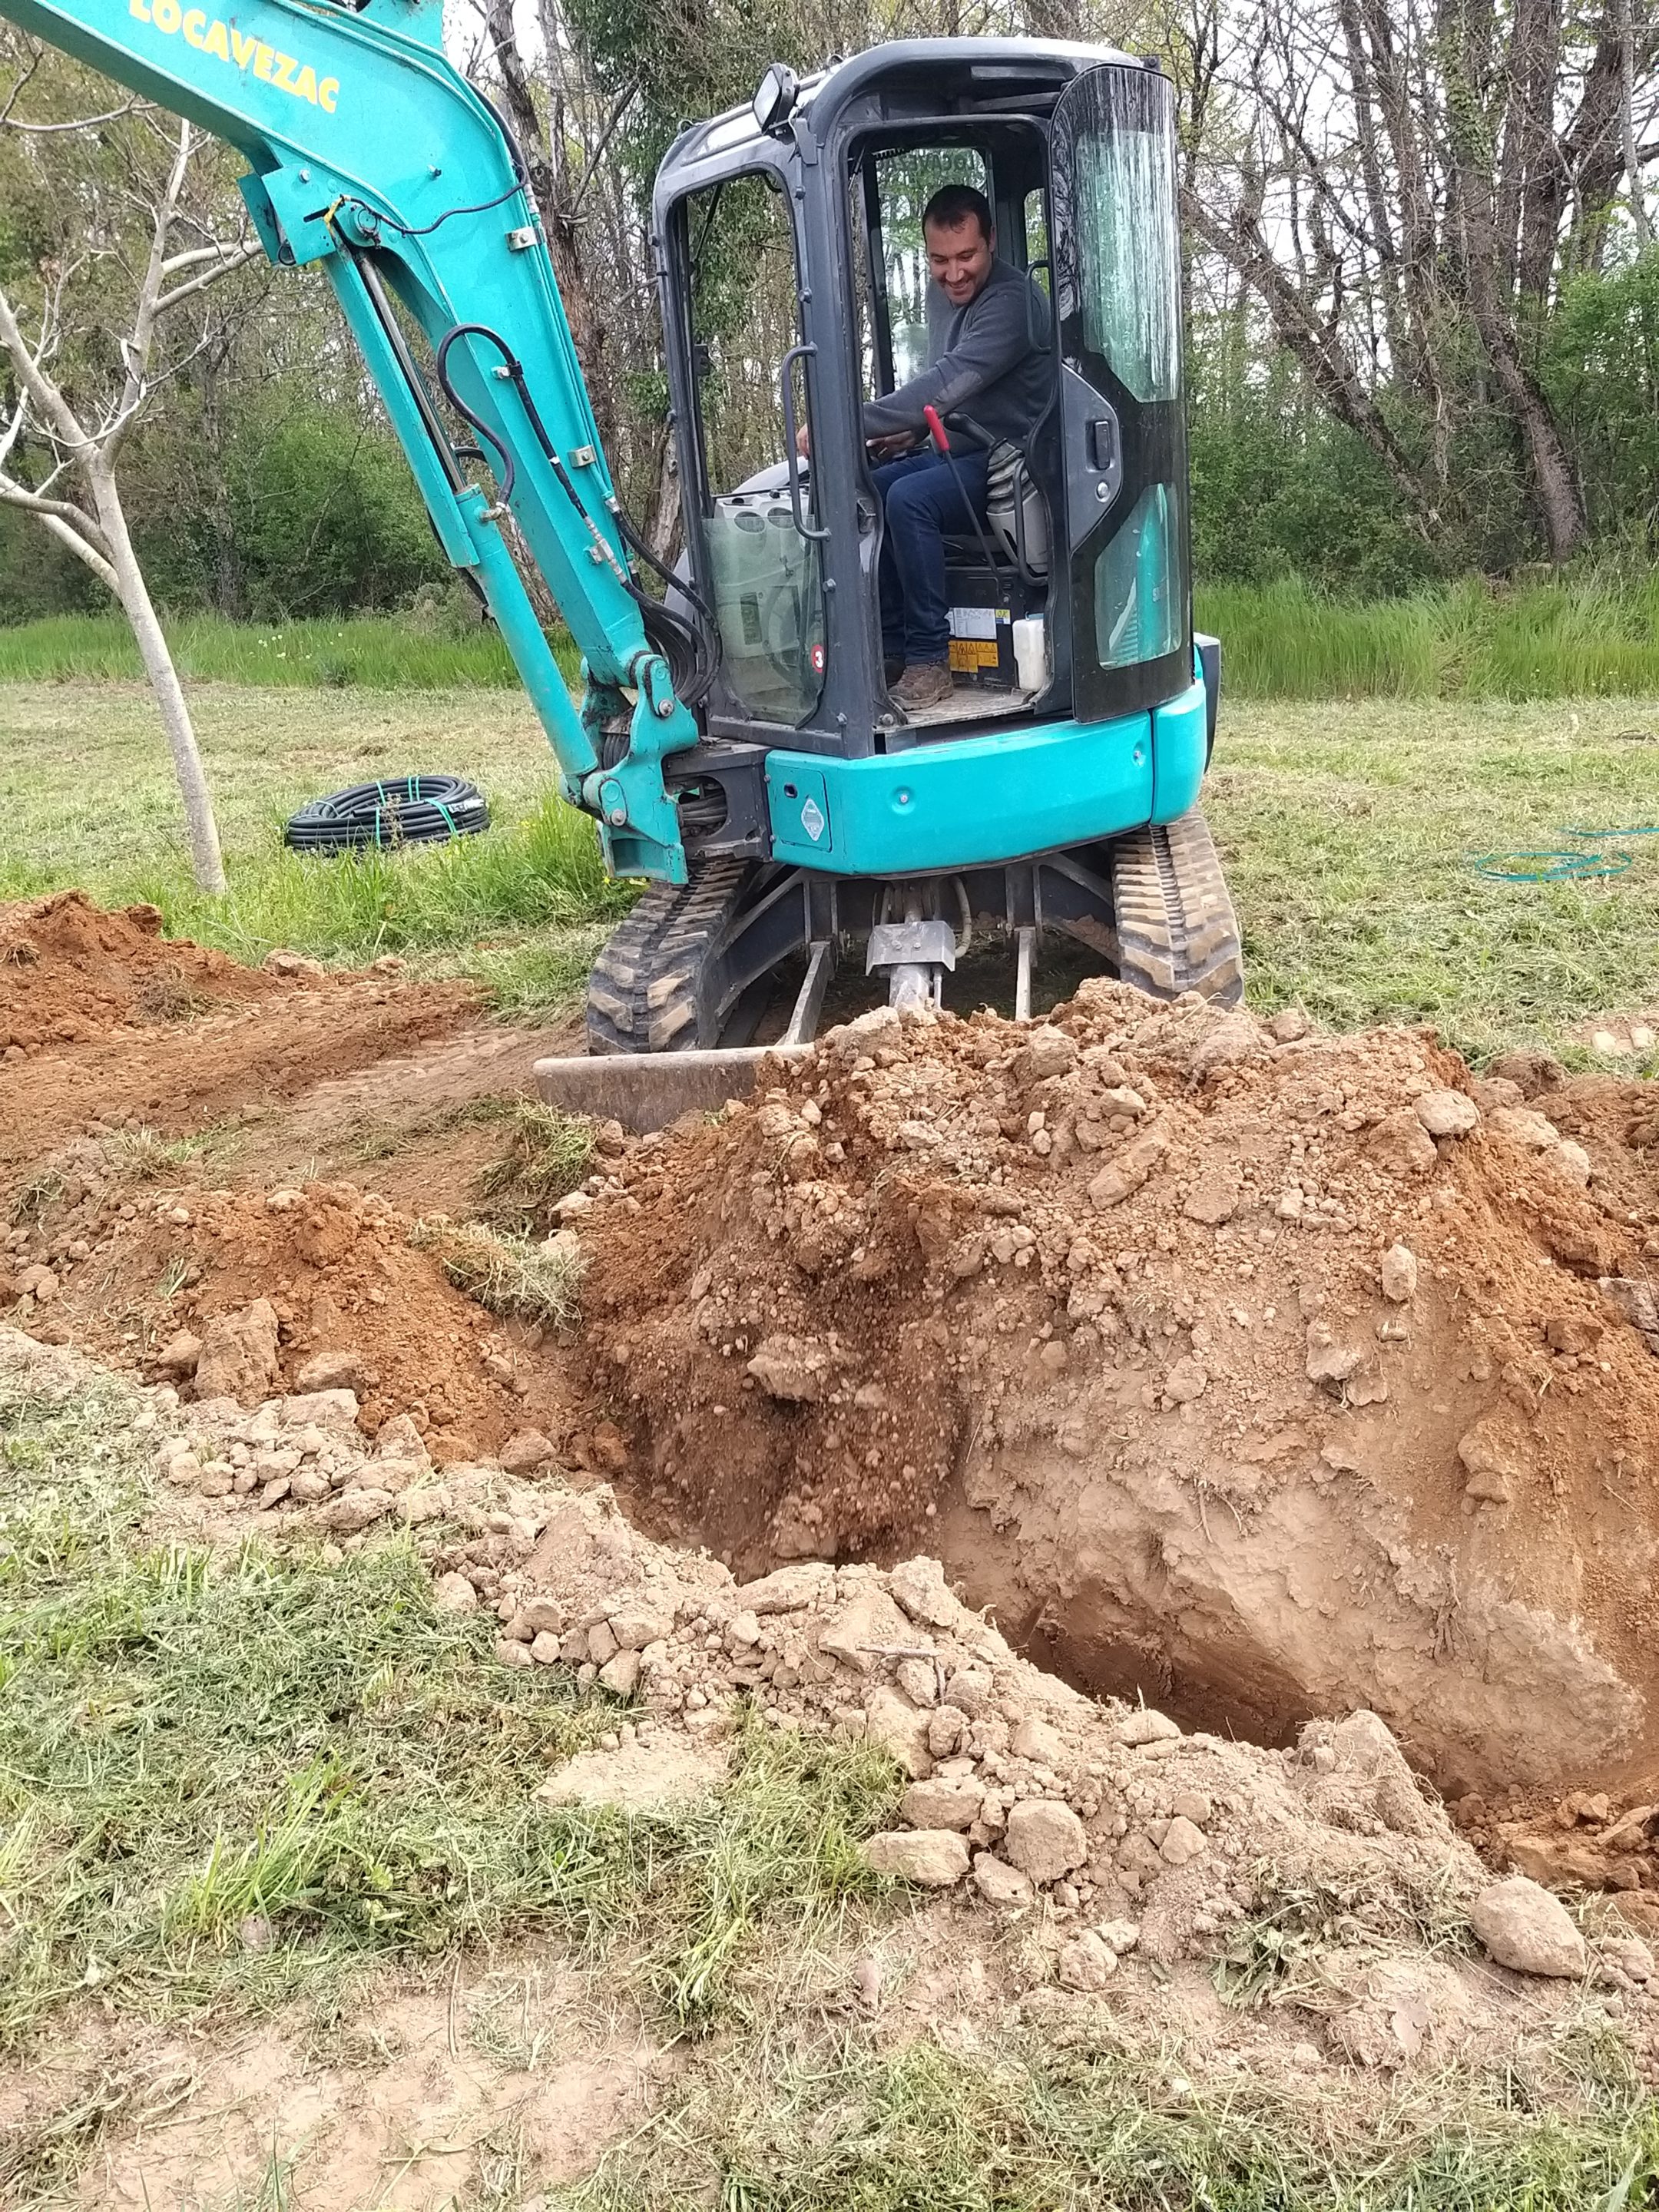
231	258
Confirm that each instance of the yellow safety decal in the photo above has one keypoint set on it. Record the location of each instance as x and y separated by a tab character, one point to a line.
969	653
239	51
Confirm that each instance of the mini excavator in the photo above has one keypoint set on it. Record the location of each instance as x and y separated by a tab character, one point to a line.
736	741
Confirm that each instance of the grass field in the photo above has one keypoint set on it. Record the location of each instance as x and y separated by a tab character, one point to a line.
89	799
1588	636
1350	829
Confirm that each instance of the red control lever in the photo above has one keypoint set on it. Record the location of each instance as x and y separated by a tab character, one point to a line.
936	431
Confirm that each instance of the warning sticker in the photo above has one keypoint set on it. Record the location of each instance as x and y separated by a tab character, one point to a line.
971	653
974	622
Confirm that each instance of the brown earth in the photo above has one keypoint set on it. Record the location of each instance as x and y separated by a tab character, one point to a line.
70	972
360	1087
1098	1312
105	1024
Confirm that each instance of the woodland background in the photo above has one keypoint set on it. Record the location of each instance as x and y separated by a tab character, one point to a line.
1422	291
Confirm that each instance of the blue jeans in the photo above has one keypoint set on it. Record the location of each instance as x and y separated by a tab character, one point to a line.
922	498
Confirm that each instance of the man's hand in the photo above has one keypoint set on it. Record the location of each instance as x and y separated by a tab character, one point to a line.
802	442
890	447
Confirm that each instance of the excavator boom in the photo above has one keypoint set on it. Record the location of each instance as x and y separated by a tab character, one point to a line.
370	155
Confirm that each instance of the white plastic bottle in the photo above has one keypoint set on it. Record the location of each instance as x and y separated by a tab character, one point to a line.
1032	653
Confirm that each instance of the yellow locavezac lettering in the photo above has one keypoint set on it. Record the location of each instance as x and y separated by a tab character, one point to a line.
209	34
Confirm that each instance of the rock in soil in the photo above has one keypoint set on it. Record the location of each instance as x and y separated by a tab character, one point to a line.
935	1856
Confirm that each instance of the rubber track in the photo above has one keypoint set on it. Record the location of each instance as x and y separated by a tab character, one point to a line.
644	993
1176	925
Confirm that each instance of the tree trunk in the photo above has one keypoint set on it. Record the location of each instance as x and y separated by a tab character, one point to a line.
207	861
662	528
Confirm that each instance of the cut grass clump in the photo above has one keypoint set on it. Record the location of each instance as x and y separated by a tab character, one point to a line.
548	1155
144	1154
511	1276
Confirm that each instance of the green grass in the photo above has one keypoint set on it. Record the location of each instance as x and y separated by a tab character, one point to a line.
1060	2121
1587	634
1349	830
192	1741
86	790
1586	637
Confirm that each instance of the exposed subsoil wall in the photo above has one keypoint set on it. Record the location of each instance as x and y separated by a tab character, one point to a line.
1274	1373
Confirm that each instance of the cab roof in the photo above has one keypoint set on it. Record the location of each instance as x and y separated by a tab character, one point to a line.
944	77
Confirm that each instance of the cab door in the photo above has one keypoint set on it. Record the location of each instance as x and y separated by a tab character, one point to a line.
1117	296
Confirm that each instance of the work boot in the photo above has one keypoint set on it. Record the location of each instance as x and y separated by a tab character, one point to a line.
924	684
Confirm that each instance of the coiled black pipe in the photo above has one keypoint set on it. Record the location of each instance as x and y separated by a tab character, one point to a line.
400	809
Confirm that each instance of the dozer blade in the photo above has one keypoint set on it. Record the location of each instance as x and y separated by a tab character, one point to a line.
649	1090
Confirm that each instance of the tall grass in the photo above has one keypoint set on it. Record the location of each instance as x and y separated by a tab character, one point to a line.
367	651
1594	635
540	874
1591	637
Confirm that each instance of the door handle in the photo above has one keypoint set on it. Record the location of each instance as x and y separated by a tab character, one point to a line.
791	458
1103	443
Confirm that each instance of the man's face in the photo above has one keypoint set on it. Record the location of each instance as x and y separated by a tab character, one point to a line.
960	256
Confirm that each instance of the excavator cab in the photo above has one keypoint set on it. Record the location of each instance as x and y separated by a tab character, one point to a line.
795	281
1039	796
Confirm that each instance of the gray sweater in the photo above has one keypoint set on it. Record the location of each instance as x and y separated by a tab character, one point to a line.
989	359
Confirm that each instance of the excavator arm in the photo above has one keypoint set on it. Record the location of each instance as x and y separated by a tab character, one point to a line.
369	153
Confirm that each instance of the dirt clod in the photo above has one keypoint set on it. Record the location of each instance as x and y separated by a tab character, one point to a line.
238	1357
937	1857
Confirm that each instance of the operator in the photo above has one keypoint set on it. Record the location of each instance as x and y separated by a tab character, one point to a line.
988	346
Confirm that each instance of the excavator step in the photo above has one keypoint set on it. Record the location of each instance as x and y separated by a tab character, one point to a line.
1176	929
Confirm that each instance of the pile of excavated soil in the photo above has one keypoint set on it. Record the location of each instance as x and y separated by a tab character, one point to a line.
236	1294
226	1044
70	972
1099	1846
1271	1373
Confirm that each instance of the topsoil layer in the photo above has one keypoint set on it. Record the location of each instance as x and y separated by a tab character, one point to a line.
1194	1349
